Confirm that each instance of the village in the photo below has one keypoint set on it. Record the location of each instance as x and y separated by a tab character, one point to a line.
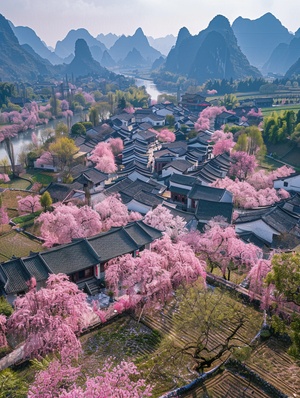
187	177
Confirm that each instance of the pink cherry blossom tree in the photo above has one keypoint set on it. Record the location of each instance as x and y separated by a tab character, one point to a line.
265	179
242	165
4	177
29	204
246	196
162	219
59	381
223	142
113	213
180	261
45	159
52	381
3	341
207	117
223	146
50	319
166	135
150	279
116	145
103	158
221	248
67	222
211	92
257	286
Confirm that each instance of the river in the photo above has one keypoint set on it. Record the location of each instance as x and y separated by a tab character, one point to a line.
23	139
150	87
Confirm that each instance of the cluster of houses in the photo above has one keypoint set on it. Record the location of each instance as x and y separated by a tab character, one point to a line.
175	174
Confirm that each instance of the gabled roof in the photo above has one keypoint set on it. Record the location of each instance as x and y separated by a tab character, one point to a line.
204	192
207	209
70	258
274	216
288	177
78	255
182	179
59	192
180	165
37	267
226	115
123	116
113	243
147	198
15	276
146	134
251	237
93	175
186	215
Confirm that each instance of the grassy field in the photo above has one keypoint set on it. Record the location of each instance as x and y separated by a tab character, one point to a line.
43	177
277	109
17	244
17	183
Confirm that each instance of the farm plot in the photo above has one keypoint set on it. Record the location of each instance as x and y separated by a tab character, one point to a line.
274	365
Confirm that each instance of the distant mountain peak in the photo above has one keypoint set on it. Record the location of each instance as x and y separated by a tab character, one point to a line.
182	35
139	32
219	22
82	49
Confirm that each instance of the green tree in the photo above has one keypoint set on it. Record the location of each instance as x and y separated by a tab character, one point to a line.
46	200
94	116
122	103
295	137
12	385
78	129
61	130
6	90
285	276
5	308
63	149
103	109
256	145
207	325
164	97
170	120
79	99
242	143
97	95
230	101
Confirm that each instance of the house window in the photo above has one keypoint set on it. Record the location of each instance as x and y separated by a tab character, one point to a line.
285	184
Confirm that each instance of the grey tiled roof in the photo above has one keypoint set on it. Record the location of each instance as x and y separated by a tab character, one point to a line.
182	179
148	198
274	216
113	243
142	234
59	192
180	165
16	276
207	193
70	258
36	267
206	210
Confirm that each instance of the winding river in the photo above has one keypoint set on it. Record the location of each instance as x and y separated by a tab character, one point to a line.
23	139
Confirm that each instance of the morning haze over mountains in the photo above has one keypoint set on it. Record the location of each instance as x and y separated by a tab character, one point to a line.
247	48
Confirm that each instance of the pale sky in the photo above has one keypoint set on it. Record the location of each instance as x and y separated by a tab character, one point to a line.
53	19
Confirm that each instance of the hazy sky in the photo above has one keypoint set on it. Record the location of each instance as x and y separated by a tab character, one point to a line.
53	19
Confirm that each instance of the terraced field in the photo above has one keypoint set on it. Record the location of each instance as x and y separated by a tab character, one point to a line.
274	365
229	385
